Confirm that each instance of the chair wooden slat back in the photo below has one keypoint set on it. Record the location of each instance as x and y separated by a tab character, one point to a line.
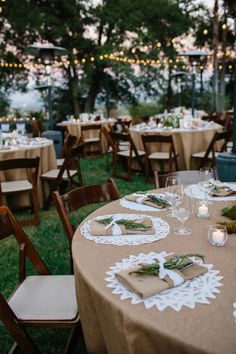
70	141
132	152
9	226
80	197
149	140
29	165
212	147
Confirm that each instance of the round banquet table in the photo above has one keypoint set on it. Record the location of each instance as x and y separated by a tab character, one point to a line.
116	326
186	141
43	148
74	128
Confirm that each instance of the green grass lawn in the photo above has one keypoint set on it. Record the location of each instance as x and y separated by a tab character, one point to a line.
50	240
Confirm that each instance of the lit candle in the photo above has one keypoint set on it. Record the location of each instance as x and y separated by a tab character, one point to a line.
218	237
203	210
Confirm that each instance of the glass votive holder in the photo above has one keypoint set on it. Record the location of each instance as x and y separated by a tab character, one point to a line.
203	209
217	235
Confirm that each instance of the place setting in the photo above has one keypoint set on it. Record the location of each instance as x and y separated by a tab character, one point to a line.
125	229
211	190
163	280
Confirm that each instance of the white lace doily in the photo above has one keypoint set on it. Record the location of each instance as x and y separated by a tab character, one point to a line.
140	207
194	191
191	292
160	226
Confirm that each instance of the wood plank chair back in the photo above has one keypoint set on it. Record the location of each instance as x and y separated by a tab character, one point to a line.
16	326
129	154
80	197
150	139
70	140
64	173
94	141
30	166
210	153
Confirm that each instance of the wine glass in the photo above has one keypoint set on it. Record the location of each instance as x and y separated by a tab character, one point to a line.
173	191
206	183
182	211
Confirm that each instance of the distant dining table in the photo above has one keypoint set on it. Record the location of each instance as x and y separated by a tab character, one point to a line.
186	141
30	148
197	318
74	128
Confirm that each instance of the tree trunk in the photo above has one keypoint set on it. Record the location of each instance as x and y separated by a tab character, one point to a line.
73	84
94	89
169	91
215	58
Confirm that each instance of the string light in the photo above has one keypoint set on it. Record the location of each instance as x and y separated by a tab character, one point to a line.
224	26
205	32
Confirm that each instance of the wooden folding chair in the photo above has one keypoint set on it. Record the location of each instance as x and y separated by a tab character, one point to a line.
170	156
207	158
128	155
92	144
30	186
80	197
69	141
65	176
41	300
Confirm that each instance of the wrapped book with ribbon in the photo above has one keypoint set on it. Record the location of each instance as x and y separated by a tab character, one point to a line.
151	200
112	227
149	279
222	191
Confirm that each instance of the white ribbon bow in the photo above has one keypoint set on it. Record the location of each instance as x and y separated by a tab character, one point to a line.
176	278
116	230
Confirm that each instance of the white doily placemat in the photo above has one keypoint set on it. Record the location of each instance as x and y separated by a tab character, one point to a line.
194	191
191	292
140	207
160	226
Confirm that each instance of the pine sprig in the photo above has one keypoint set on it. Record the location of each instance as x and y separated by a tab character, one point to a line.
230	226
158	200
129	224
230	212
177	262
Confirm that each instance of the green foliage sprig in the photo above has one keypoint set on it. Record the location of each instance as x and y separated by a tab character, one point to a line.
129	224
177	262
158	200
230	212
230	226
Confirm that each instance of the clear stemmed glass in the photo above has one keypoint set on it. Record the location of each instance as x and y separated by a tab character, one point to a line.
182	211
173	191
206	183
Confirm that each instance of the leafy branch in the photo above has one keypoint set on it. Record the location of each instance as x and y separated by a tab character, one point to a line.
230	226
129	224
177	262
158	200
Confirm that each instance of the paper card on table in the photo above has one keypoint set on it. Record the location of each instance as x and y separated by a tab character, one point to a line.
141	227
148	285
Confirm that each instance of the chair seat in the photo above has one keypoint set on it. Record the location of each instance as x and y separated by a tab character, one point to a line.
159	156
91	140
45	298
202	154
16	186
126	153
52	174
60	162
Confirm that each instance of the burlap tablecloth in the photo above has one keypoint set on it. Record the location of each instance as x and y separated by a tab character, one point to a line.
118	327
47	155
74	128
187	142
